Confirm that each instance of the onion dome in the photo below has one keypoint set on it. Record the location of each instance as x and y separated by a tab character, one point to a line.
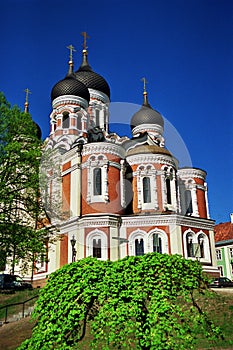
92	80
70	86
146	115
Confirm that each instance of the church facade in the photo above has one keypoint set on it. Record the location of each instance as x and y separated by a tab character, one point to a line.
113	196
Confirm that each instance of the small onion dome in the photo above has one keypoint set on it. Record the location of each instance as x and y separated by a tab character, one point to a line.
91	79
38	130
146	115
70	86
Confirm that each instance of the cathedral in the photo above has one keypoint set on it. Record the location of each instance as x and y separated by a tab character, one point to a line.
110	196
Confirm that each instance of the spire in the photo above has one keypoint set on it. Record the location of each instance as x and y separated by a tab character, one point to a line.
26	104
71	62
145	98
85	65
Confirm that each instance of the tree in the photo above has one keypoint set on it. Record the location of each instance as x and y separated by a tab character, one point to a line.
142	302
20	152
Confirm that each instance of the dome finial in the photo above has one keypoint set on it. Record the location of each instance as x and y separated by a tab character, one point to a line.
85	65
71	63
26	104
145	99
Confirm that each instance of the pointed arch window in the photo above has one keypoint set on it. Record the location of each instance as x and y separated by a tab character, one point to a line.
96	248
157	243
139	246
65	121
146	190
97	181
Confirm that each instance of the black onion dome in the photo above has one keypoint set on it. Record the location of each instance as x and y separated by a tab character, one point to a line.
92	80
146	115
70	86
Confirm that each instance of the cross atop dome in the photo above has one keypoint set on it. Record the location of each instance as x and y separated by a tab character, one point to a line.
72	49
85	37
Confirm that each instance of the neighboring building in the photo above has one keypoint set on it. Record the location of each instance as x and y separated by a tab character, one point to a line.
118	196
224	248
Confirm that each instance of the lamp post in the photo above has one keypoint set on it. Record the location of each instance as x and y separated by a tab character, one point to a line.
73	242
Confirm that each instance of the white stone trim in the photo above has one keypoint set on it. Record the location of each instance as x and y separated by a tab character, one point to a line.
185	173
207	258
96	94
103	147
69	100
148	127
163	235
137	234
97	234
152	158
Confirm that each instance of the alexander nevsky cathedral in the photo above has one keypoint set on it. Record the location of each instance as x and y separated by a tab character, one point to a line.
110	196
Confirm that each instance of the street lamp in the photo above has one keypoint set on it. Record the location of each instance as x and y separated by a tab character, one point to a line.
73	242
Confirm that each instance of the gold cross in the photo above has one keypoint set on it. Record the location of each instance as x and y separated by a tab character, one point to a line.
144	83
72	49
85	37
27	93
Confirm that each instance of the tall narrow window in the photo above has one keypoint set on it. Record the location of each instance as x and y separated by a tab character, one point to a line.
65	121
168	188
97	182
190	245
146	190
157	244
97	117
139	246
96	248
188	202
201	245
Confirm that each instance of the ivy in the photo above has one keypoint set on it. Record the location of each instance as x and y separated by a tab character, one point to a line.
144	302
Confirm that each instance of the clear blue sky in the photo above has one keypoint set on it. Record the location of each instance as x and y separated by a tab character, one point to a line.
183	47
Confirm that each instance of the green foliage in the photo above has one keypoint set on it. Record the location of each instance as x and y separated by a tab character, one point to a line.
20	152
144	302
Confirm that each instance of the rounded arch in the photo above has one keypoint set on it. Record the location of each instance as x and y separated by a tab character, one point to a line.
137	242
158	241
196	245
97	244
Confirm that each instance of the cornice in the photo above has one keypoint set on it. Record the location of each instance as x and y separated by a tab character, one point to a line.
152	127
151	158
103	147
95	94
69	100
185	173
166	220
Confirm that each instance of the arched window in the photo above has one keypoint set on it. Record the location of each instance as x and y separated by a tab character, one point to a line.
96	248
139	246
201	246
188	202
65	121
146	190
97	181
157	243
190	245
168	191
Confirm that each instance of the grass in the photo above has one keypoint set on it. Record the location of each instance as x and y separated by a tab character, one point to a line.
218	305
17	297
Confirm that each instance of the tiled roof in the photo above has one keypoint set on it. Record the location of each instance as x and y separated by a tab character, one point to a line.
223	232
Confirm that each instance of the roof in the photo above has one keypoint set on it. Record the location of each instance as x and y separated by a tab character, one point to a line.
223	231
